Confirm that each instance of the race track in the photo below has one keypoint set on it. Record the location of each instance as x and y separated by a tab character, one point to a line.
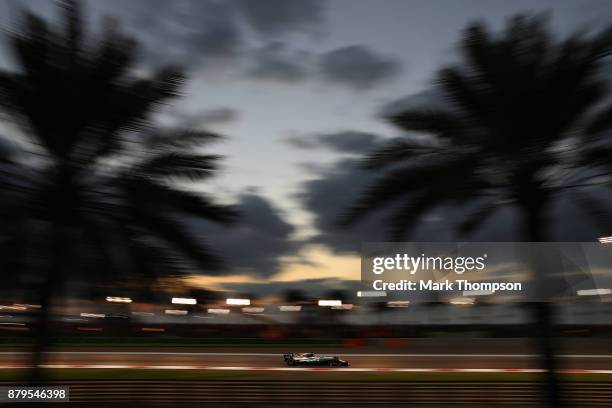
273	359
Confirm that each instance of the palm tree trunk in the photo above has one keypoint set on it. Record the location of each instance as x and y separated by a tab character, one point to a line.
42	334
49	290
543	311
544	316
61	207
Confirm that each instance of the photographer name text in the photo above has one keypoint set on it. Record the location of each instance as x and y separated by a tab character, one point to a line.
445	286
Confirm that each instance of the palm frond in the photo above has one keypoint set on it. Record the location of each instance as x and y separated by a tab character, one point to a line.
179	139
100	97
475	220
404	220
601	122
114	56
436	122
516	96
151	256
394	152
144	192
74	27
407	180
180	165
595	209
178	237
463	94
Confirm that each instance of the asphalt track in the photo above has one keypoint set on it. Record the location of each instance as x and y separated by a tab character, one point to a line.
423	355
271	359
237	393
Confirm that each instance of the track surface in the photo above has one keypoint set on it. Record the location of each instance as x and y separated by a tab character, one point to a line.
574	354
335	394
274	359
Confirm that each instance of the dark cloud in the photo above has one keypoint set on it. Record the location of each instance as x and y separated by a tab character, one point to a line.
206	34
256	244
216	32
337	187
342	142
277	17
207	117
350	141
594	13
326	196
430	98
310	287
221	115
184	32
302	142
197	33
201	119
275	62
358	67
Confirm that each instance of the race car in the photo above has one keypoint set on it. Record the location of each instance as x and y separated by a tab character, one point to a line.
311	359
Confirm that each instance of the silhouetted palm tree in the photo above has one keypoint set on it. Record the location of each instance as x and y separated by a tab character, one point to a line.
95	190
518	128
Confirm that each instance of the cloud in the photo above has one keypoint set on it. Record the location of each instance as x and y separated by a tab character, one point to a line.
204	35
190	33
258	241
203	118
274	62
333	189
181	117
221	115
350	142
278	17
357	67
593	13
327	195
429	98
311	288
199	33
216	33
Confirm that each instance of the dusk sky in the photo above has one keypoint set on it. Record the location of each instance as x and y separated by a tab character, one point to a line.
298	88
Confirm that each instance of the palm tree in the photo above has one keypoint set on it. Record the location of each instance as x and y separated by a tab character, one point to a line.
521	125
96	188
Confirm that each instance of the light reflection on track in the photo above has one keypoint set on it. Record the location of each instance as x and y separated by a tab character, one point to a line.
344	369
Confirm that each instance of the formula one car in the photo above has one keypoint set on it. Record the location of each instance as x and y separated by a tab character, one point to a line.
311	359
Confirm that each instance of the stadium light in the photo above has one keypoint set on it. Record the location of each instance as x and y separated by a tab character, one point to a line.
398	303
26	305
344	306
290	308
13	307
371	293
605	240
238	302
593	292
218	311
94	315
329	302
253	310
184	301
462	301
175	312
477	292
117	299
